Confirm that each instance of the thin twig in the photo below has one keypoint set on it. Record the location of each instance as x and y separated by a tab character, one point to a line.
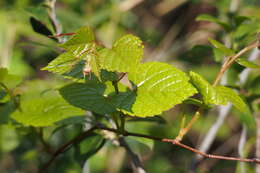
223	112
87	133
50	4
66	146
185	130
232	59
225	66
61	35
175	142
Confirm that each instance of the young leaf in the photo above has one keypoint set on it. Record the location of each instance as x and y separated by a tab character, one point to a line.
45	110
82	36
221	47
160	86
124	56
247	63
231	96
218	95
205	89
73	64
62	64
88	96
95	65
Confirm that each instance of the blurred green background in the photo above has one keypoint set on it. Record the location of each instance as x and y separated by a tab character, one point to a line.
170	33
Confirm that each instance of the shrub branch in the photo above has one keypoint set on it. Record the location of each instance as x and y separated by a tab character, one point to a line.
87	133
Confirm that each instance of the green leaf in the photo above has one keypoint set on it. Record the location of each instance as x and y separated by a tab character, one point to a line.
218	95
88	96
80	60
44	110
82	36
74	67
124	56
160	86
221	47
95	65
205	89
209	18
247	63
62	64
231	96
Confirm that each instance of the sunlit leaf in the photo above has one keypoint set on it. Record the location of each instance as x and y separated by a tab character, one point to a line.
82	36
73	64
124	56
231	96
81	58
94	64
205	89
160	86
218	95
62	64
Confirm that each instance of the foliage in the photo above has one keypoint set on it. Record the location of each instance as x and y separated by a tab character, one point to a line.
97	77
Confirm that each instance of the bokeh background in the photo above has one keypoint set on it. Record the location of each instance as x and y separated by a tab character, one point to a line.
170	34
